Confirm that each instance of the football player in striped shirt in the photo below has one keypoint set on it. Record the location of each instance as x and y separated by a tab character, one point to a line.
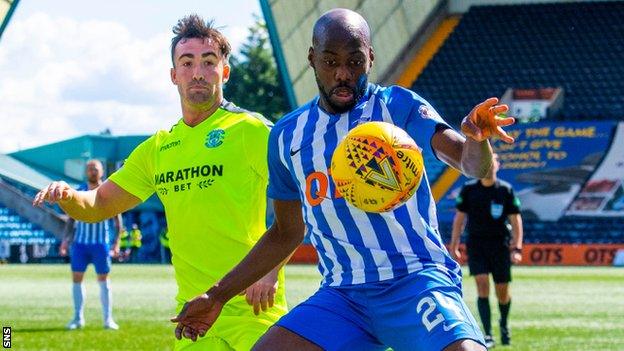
90	243
388	280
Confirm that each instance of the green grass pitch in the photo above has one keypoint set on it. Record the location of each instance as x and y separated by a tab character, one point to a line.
553	308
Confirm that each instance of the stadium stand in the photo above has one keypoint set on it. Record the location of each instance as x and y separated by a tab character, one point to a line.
28	242
574	45
577	46
24	172
568	230
20	179
17	229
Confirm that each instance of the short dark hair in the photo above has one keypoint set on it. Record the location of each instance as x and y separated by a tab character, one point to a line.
193	26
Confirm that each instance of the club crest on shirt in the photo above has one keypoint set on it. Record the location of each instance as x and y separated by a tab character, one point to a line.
426	112
496	210
215	138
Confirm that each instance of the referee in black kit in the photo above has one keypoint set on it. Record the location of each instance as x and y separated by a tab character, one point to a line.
491	207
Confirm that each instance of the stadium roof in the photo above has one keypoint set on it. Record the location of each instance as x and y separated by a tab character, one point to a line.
394	25
66	159
6	10
20	172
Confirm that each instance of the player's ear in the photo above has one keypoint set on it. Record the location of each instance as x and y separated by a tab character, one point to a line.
174	78
371	57
226	72
311	57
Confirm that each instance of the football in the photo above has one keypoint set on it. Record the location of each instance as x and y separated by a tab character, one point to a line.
377	167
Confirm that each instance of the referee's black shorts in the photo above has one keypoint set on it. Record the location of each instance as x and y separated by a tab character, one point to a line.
490	258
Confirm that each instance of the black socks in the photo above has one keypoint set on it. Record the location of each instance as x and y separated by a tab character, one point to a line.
483	304
504	312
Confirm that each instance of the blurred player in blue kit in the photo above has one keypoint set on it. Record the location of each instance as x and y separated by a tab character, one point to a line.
92	243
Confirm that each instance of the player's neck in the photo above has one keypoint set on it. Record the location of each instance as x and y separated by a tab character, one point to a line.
194	115
325	106
487	182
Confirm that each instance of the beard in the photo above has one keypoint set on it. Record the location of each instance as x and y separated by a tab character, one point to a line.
93	179
357	92
196	96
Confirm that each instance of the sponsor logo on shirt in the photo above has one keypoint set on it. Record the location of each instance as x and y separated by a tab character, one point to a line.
188	173
170	145
183	179
215	138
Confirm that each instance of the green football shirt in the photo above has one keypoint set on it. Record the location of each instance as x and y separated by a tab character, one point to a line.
212	181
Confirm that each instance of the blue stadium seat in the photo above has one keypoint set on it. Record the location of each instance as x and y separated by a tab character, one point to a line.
18	230
577	46
568	230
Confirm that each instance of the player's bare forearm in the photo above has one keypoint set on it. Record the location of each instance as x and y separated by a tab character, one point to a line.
517	231
266	255
472	154
118	219
81	206
91	206
68	234
458	228
275	246
284	261
471	157
476	159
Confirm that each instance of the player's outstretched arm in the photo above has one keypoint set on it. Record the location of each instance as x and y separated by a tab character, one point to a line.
199	314
483	123
105	201
472	154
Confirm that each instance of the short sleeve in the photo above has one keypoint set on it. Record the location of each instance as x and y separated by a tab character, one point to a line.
136	174
422	121
256	145
461	203
282	186
513	202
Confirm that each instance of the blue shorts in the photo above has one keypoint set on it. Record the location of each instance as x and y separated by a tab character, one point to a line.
83	254
420	311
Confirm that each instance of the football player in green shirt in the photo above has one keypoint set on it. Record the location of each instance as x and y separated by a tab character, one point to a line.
210	172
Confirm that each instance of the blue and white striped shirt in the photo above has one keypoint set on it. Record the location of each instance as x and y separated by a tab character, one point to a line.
92	233
354	246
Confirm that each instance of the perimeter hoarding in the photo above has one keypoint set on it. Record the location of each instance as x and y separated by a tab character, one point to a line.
532	255
603	194
547	165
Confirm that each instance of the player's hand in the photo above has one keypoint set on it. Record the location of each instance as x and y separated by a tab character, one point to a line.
56	192
261	295
516	257
482	122
456	253
63	248
114	252
197	316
